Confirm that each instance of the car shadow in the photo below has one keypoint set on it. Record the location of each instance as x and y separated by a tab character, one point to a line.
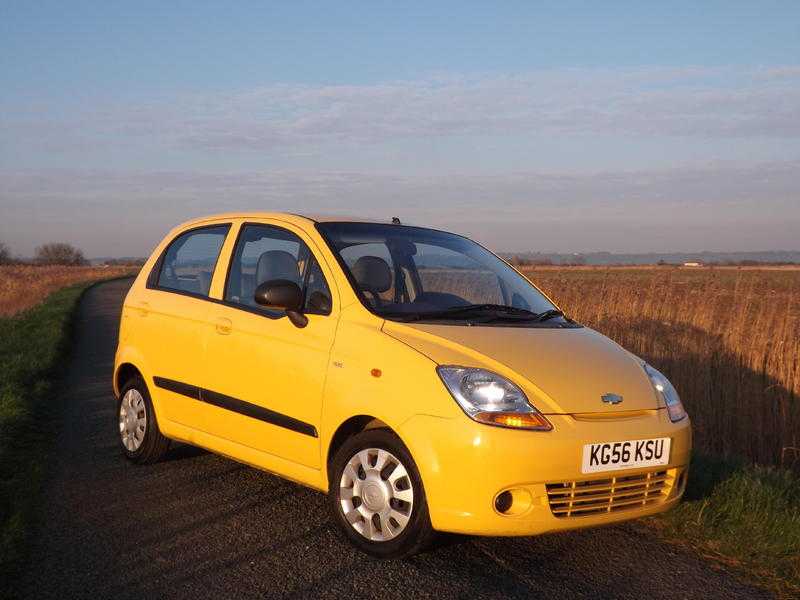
738	413
179	451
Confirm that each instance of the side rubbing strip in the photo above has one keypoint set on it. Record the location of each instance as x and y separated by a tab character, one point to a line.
257	412
184	389
247	409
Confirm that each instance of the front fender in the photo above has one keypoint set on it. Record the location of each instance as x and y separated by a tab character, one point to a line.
373	374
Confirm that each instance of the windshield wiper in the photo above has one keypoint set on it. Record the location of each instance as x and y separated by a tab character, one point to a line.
485	313
549	314
490	308
490	312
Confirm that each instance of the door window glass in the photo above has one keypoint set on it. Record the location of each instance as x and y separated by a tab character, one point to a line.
265	252
189	262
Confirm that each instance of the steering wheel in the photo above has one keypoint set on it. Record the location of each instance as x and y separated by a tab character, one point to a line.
376	300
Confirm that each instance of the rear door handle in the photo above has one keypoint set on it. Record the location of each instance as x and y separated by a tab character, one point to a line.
224	326
144	309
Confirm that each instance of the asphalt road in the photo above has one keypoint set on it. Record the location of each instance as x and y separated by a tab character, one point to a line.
201	526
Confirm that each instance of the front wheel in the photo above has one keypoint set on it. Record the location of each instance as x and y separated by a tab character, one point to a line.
377	498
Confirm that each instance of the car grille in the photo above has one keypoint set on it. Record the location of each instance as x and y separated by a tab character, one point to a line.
612	494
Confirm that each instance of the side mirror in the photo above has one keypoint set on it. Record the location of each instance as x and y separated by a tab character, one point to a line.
282	294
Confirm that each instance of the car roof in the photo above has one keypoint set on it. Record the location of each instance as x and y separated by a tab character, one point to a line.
285	216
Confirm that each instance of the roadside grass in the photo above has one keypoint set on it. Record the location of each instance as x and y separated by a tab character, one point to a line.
744	516
33	347
23	286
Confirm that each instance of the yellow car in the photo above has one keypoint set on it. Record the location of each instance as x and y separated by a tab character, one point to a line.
411	374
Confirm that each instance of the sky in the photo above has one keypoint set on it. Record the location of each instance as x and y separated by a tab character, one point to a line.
561	127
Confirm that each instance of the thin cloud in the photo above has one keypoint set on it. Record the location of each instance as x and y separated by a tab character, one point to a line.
691	102
686	208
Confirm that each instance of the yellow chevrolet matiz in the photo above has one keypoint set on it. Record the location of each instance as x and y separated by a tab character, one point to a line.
410	373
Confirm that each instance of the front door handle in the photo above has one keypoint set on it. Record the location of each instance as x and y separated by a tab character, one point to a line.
224	326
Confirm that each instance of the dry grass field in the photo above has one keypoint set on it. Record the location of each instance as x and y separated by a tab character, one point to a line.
23	286
729	339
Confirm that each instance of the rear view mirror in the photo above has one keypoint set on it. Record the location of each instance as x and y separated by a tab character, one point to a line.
402	247
282	294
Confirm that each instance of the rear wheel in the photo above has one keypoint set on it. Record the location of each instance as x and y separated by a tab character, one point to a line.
377	496
139	435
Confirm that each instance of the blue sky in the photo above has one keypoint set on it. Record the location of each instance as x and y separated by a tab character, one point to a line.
566	126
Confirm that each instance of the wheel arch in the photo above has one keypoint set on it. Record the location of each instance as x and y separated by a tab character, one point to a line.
124	373
347	429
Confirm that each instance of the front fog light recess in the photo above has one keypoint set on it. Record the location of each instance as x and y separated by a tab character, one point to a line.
492	399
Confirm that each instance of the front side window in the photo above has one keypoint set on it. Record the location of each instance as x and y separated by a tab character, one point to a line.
265	252
416	274
189	262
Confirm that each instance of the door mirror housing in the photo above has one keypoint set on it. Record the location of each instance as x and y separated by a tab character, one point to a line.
282	294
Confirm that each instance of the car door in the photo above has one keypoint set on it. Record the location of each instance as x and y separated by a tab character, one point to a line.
173	319
265	375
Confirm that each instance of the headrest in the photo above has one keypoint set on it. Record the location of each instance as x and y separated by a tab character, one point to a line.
372	274
277	264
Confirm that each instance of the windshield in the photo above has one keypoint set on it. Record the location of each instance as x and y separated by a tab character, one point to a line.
413	273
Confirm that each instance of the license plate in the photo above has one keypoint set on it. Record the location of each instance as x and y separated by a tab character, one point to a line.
613	456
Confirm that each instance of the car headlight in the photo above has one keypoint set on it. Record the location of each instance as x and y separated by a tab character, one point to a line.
667	393
489	398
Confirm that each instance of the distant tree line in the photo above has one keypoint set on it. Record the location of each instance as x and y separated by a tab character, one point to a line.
59	253
521	261
124	262
756	263
524	261
577	260
56	253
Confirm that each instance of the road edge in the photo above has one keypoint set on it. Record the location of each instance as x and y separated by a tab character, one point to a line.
33	436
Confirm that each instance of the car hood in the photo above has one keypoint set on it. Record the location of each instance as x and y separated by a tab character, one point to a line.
563	371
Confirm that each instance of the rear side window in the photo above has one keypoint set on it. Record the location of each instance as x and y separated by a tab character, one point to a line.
188	264
265	252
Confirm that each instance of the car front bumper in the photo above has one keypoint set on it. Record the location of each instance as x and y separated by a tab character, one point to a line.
465	465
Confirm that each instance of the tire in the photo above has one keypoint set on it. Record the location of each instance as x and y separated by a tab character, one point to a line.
140	438
388	487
